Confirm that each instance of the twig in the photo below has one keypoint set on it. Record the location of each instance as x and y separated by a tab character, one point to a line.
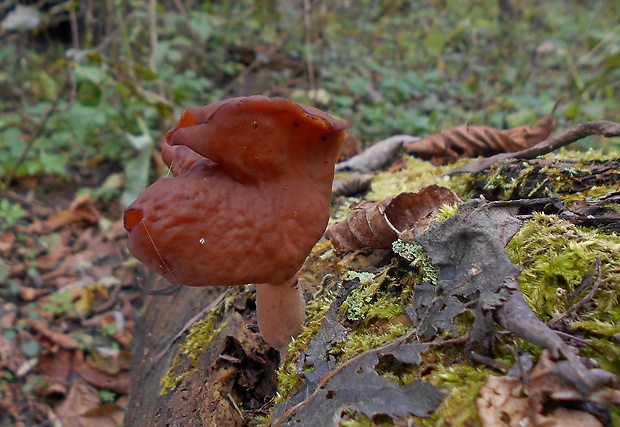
328	376
595	266
488	362
32	138
308	42
579	340
235	405
599	127
154	44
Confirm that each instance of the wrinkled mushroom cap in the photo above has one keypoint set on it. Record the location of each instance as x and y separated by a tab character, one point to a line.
250	195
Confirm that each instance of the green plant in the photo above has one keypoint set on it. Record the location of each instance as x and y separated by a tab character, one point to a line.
10	213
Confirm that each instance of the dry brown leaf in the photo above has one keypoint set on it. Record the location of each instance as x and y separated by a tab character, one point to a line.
11	357
82	210
471	141
63	340
377	225
119	383
81	399
513	401
6	242
59	365
106	415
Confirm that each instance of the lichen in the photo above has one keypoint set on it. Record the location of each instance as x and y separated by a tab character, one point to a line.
418	258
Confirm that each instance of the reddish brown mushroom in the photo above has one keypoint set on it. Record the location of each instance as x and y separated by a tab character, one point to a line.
249	199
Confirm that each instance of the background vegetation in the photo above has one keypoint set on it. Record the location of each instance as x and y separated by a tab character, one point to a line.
93	85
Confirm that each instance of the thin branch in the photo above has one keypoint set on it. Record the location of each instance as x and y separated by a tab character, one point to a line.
328	376
33	138
308	42
568	136
595	266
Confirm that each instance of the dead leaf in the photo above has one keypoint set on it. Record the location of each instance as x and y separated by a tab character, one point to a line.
6	242
59	365
103	416
512	401
119	383
377	225
63	340
560	139
82	210
11	357
471	141
359	387
81	399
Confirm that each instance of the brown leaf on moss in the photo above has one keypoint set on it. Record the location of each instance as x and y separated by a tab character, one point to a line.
471	141
540	397
378	224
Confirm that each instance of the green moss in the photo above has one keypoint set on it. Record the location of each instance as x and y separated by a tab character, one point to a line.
446	211
288	378
199	336
418	173
555	257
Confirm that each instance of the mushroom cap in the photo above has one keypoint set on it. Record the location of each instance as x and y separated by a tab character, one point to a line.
250	196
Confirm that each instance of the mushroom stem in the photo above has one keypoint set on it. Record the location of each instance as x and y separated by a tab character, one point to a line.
281	311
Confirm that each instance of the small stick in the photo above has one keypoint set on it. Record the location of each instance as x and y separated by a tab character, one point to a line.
596	265
235	405
567	136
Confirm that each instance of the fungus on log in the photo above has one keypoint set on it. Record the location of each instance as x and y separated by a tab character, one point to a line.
249	198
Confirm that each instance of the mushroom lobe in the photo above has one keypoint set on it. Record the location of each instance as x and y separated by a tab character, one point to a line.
250	195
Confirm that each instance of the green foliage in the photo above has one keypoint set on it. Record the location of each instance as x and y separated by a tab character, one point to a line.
61	303
387	67
10	213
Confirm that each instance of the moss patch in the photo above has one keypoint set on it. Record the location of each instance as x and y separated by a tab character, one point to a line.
200	334
555	257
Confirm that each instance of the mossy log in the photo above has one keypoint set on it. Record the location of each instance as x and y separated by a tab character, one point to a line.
220	372
217	372
544	177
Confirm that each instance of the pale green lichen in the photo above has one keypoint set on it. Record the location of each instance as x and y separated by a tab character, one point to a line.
419	259
363	276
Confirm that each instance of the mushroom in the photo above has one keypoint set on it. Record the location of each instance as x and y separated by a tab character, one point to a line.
249	198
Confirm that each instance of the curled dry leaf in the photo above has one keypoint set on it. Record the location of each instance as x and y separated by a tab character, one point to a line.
471	141
378	224
511	401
